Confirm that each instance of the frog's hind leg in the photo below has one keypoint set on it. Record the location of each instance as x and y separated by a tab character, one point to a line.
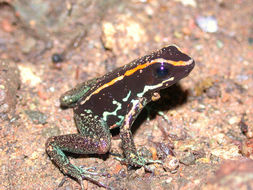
97	141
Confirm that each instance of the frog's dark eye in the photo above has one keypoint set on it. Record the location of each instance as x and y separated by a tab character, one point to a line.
162	71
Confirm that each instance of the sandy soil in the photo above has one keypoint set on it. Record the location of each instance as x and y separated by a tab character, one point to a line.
208	117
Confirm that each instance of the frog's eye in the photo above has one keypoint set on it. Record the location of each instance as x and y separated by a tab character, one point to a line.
162	71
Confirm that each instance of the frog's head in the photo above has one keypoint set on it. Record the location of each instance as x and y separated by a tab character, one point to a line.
163	68
169	65
166	66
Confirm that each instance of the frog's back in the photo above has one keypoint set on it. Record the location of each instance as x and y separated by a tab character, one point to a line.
111	96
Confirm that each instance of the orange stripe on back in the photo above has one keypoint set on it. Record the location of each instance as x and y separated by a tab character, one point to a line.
139	67
108	84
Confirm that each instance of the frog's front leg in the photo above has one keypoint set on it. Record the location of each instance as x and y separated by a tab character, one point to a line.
128	145
96	141
69	98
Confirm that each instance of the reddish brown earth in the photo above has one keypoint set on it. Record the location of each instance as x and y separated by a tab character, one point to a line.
209	114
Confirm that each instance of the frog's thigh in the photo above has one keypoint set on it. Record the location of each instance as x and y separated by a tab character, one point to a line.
94	131
94	137
78	143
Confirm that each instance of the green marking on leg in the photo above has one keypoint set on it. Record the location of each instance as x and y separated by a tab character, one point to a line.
63	158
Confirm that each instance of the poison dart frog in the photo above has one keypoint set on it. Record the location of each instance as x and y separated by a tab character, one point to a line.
115	100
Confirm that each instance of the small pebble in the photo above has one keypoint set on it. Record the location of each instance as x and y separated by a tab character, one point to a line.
188	159
207	24
250	40
213	92
247	148
37	117
57	58
171	163
233	120
140	172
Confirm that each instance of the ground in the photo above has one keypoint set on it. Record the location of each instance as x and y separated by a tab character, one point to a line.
204	136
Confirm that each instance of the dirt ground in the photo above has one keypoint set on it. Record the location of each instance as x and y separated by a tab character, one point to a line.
207	126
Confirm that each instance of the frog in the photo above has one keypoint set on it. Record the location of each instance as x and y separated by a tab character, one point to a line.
115	100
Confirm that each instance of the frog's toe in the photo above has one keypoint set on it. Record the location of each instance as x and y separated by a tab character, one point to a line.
138	161
86	171
143	162
122	160
87	175
150	161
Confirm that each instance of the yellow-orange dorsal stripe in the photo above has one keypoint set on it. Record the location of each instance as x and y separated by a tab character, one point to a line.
139	67
108	84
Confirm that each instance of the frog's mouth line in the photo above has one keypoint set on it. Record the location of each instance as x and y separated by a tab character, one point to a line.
148	88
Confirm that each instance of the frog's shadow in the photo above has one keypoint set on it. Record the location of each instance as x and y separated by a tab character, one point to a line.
171	98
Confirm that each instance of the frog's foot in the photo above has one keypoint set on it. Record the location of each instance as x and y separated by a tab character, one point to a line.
93	168
90	178
88	175
138	161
